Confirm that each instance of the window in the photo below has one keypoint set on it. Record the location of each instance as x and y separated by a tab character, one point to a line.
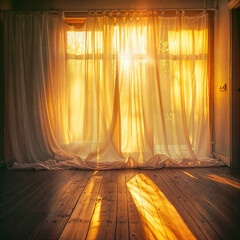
161	71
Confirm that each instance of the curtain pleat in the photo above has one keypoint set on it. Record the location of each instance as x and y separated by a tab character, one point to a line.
118	92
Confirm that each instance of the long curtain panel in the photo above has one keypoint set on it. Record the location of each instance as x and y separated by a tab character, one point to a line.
118	92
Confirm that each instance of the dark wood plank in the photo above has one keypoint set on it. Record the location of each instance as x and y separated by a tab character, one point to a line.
15	186
190	203
14	210
53	225
13	181
210	196
173	207
122	231
200	220
223	177
176	229
228	197
78	224
103	222
214	218
151	205
229	173
214	186
137	224
44	200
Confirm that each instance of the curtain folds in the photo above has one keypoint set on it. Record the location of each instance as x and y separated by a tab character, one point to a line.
119	92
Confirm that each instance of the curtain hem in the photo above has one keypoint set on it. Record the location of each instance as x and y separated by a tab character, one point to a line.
156	162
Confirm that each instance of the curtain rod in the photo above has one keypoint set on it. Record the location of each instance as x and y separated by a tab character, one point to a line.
102	12
148	9
112	10
139	10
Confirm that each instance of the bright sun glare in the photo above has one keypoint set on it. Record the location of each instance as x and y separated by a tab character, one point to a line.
87	55
154	213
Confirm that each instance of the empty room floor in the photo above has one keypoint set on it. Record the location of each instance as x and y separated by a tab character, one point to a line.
186	203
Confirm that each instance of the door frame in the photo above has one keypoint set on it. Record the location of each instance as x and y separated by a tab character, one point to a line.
234	7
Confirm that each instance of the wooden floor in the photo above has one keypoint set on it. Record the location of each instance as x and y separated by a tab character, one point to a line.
196	203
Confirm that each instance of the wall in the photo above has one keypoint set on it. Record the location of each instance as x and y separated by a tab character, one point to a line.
102	4
221	76
221	42
1	94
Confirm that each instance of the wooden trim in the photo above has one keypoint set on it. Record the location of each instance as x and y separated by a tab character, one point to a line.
75	21
234	4
235	88
223	158
211	70
77	18
2	87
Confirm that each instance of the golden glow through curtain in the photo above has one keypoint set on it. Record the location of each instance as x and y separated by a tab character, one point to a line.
118	92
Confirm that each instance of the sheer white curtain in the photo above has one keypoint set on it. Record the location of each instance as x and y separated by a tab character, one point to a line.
34	69
121	91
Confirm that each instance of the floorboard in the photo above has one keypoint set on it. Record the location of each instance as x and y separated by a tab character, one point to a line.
212	216
185	203
77	226
122	228
190	206
53	224
137	223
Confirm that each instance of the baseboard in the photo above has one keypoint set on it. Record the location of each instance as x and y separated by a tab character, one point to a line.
2	164
223	158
